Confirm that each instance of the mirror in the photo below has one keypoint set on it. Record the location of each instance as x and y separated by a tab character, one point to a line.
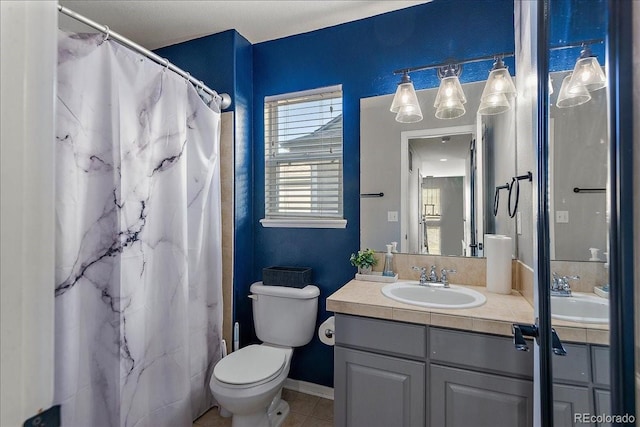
578	143
430	185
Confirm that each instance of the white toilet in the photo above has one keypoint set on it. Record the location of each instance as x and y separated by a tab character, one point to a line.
248	382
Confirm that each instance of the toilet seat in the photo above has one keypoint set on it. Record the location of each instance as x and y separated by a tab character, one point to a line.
251	365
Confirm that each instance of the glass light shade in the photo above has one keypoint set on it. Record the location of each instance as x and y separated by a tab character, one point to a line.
450	89
450	109
588	73
405	96
409	114
499	82
494	104
578	95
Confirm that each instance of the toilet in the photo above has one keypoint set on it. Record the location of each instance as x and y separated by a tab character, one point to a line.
248	382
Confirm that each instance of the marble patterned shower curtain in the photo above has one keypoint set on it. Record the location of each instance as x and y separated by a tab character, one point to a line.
138	253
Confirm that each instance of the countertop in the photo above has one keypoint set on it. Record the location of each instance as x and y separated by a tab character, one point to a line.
363	298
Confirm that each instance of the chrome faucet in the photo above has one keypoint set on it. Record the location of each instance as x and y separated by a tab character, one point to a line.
444	278
427	279
433	276
560	285
423	274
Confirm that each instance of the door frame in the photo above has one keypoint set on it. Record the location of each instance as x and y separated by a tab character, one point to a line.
619	54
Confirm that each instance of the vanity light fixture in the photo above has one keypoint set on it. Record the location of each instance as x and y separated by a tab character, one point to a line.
450	98
499	90
571	96
587	72
405	102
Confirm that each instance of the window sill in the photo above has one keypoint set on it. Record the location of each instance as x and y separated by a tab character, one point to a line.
303	223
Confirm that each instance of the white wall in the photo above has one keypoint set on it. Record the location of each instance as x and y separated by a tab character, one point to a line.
29	51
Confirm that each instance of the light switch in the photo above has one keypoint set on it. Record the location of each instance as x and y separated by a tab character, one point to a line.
562	217
392	216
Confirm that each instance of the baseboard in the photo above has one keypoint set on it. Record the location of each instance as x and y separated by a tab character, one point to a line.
309	388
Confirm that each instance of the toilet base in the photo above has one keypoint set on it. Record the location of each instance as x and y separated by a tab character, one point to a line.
279	414
275	418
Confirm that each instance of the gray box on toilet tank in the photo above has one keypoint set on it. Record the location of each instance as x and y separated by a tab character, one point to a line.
295	277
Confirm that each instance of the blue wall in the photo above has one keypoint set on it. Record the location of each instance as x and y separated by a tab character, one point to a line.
224	62
361	56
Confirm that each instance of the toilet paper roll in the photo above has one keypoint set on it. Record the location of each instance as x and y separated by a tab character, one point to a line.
497	250
326	331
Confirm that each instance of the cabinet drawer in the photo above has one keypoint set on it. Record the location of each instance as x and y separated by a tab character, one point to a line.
484	352
600	358
574	366
381	335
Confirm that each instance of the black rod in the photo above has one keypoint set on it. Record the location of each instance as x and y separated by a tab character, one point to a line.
542	224
528	176
589	190
621	233
489	57
453	61
372	195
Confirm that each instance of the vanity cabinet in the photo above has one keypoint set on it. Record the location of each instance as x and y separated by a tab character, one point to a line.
379	373
376	390
390	373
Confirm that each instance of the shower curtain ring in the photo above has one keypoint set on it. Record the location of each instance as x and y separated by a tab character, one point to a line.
166	64
107	33
187	79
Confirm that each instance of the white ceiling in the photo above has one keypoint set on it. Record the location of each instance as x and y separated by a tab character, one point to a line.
155	24
432	150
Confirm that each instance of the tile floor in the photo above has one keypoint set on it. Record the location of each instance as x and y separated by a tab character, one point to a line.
306	411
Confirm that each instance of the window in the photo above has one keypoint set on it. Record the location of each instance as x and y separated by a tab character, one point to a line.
303	159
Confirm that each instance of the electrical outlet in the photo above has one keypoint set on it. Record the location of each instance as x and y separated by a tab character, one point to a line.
562	217
518	223
392	216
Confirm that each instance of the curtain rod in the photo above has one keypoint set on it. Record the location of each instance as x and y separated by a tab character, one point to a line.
226	99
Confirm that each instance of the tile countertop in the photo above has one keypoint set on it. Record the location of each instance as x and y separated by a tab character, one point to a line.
362	298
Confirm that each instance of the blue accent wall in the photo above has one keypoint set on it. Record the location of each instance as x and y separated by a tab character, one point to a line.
361	56
224	62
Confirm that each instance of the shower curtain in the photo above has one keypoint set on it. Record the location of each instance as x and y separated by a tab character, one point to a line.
138	241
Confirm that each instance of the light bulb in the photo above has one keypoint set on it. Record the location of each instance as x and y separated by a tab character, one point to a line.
449	90
499	84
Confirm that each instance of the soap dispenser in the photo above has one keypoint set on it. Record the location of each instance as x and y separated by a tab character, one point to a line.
388	263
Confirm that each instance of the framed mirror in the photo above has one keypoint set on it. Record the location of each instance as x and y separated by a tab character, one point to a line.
431	186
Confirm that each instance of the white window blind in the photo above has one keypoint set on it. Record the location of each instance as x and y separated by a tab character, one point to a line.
303	155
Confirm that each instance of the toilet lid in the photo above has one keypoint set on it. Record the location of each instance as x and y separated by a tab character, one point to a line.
250	364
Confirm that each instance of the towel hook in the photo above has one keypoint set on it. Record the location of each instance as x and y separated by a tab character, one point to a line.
515	181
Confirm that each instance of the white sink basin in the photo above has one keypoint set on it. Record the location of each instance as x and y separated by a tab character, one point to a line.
434	297
580	308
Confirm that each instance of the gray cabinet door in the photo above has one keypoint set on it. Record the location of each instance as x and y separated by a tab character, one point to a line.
462	398
373	390
602	404
569	400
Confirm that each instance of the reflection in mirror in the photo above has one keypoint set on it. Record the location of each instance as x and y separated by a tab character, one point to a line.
430	205
442	195
578	176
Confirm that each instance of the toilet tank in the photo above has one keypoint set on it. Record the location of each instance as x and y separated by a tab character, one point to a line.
284	316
